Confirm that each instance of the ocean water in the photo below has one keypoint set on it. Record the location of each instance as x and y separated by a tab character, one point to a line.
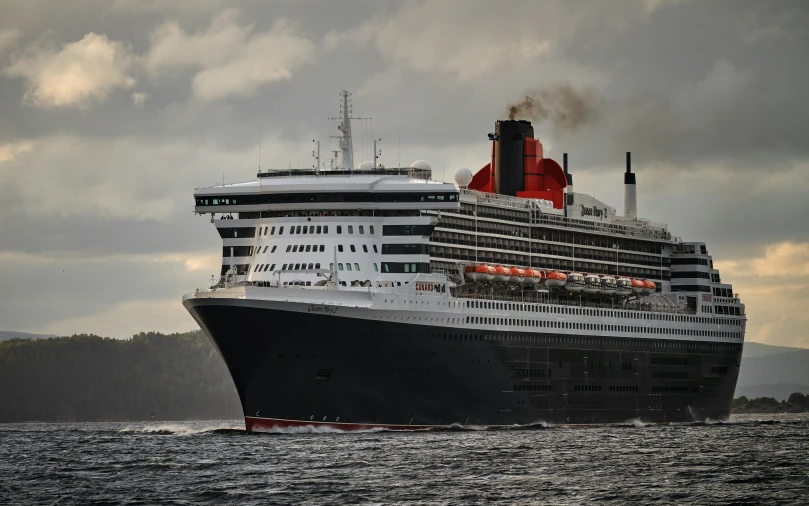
751	459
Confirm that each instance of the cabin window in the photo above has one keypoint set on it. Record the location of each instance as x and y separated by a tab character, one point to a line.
273	249
265	249
348	266
331	266
289	248
340	267
281	231
310	266
364	248
356	266
325	229
317	266
375	250
376	269
297	266
308	248
339	229
322	247
284	267
311	229
298	229
340	248
318	229
305	229
353	249
351	229
272	267
371	229
362	230
272	231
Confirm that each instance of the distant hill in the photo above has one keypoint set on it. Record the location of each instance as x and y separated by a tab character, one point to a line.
5	335
91	378
773	371
753	350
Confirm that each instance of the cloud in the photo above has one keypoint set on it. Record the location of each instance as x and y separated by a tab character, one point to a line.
8	40
467	48
75	74
138	98
229	58
11	151
774	287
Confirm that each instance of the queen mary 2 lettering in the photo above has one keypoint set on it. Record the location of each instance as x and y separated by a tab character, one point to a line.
379	297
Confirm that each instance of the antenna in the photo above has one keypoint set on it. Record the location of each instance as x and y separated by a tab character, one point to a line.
377	153
316	155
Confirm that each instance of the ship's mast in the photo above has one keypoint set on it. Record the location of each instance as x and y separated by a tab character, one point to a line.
346	146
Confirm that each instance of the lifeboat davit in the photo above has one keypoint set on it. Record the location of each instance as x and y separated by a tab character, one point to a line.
637	286
555	279
575	282
533	277
608	285
623	286
501	274
480	272
517	275
648	287
592	283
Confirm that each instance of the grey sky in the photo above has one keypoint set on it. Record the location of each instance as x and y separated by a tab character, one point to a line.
112	112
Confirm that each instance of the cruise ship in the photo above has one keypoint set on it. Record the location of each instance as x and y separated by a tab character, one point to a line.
377	297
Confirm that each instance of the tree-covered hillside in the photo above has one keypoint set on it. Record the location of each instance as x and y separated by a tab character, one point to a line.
89	378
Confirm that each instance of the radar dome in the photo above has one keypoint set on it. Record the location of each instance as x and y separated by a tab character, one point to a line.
420	164
463	177
366	165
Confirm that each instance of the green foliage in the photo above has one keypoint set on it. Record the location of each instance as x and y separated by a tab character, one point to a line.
797	402
89	378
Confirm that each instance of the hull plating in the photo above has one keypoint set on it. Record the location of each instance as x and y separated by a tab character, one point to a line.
296	368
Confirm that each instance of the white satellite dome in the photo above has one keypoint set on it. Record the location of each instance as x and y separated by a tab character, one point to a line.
366	165
420	164
463	177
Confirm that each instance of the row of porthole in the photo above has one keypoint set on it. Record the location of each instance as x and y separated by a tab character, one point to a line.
551	339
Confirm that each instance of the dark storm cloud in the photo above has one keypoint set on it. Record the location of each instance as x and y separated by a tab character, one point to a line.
709	96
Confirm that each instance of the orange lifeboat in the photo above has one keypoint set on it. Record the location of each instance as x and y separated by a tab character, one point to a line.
517	275
648	287
502	274
533	277
555	279
637	285
480	272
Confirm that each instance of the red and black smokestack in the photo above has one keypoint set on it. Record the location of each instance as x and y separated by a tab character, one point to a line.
510	155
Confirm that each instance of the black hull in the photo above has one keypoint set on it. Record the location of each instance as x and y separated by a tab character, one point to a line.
296	366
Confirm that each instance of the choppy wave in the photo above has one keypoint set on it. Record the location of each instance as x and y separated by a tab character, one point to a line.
758	459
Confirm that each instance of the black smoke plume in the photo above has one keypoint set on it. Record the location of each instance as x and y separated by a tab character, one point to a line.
566	108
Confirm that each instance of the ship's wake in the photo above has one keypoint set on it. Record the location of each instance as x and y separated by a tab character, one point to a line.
181	429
